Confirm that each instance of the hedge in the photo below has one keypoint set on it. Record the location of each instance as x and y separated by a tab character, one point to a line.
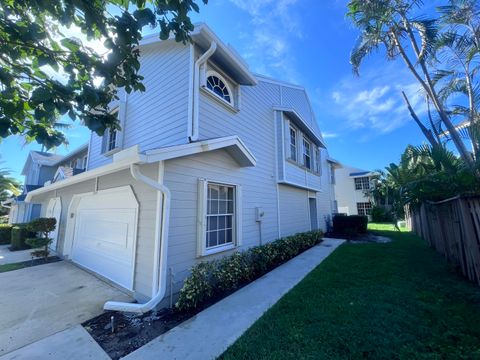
19	235
5	234
350	225
214	279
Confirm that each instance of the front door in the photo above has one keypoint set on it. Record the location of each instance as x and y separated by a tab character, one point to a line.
312	202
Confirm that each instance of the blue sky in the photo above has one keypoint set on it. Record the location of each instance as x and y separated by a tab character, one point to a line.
307	42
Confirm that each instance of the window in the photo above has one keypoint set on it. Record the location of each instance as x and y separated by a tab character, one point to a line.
84	162
220	215
364	208
362	183
317	160
111	139
307	154
332	174
219	87
293	144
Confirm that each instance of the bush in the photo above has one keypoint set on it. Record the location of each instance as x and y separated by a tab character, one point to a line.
5	233
379	214
19	237
350	225
41	226
214	279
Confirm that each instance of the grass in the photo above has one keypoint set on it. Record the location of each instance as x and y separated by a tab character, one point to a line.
399	300
11	267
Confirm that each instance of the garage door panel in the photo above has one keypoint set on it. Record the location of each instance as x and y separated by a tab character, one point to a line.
104	239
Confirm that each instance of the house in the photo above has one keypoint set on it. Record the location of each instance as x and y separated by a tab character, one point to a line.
209	160
351	190
40	168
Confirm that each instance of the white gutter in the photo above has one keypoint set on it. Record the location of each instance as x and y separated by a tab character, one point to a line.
161	246
196	89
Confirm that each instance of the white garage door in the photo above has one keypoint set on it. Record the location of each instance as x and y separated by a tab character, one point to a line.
105	234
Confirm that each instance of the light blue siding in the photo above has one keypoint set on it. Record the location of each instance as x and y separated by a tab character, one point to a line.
159	116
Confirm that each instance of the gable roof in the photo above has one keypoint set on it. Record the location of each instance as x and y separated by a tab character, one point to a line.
224	55
42	158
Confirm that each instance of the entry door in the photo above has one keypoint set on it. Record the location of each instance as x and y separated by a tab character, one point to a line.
313	213
54	210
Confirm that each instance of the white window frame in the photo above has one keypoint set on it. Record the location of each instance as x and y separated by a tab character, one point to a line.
318	165
293	154
106	150
84	162
202	249
227	85
364	208
305	154
362	183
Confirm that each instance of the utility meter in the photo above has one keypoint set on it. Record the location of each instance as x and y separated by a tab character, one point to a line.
259	214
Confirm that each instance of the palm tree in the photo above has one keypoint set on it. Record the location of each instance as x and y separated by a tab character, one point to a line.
390	24
458	50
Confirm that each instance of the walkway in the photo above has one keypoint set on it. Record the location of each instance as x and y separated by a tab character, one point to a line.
224	322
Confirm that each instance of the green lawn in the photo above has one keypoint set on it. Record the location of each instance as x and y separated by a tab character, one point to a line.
10	267
399	300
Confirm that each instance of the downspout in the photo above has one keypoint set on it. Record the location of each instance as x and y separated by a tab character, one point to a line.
196	89
161	246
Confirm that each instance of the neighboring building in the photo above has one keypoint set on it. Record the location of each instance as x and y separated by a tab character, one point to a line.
43	168
210	159
351	190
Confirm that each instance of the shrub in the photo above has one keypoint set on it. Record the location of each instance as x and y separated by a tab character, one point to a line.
5	233
350	225
211	280
380	214
41	226
19	237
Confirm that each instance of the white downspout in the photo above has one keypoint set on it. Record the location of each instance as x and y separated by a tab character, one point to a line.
161	246
196	89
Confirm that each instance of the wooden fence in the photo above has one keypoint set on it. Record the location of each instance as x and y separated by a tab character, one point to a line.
452	227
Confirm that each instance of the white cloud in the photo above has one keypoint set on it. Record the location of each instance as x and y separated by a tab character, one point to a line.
374	102
274	24
329	135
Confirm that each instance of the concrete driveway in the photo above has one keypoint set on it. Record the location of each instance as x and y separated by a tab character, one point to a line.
40	301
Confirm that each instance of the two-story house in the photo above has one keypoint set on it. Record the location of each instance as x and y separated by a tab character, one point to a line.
43	168
211	159
352	188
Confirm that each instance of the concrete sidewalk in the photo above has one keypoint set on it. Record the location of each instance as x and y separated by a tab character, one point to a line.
224	322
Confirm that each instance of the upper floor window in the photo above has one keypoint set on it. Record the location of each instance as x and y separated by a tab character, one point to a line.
362	183
317	160
111	137
307	154
217	85
332	174
293	144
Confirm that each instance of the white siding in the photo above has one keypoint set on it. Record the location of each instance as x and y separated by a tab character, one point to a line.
181	177
159	116
345	193
146	197
294	210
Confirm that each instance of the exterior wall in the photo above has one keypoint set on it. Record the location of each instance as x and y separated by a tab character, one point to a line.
345	194
182	176
158	117
46	173
294	210
147	198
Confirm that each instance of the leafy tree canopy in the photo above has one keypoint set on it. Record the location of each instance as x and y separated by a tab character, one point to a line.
45	73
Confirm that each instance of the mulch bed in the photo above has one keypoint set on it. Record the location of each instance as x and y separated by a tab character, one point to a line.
131	331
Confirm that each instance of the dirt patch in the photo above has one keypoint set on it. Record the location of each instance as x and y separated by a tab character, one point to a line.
131	331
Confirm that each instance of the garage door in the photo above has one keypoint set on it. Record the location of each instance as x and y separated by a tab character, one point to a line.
105	234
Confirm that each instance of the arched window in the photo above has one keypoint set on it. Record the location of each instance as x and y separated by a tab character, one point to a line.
219	87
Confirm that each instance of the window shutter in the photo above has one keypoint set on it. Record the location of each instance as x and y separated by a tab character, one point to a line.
238	210
201	216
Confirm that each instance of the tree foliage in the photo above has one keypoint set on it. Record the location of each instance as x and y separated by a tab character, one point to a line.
47	71
399	27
